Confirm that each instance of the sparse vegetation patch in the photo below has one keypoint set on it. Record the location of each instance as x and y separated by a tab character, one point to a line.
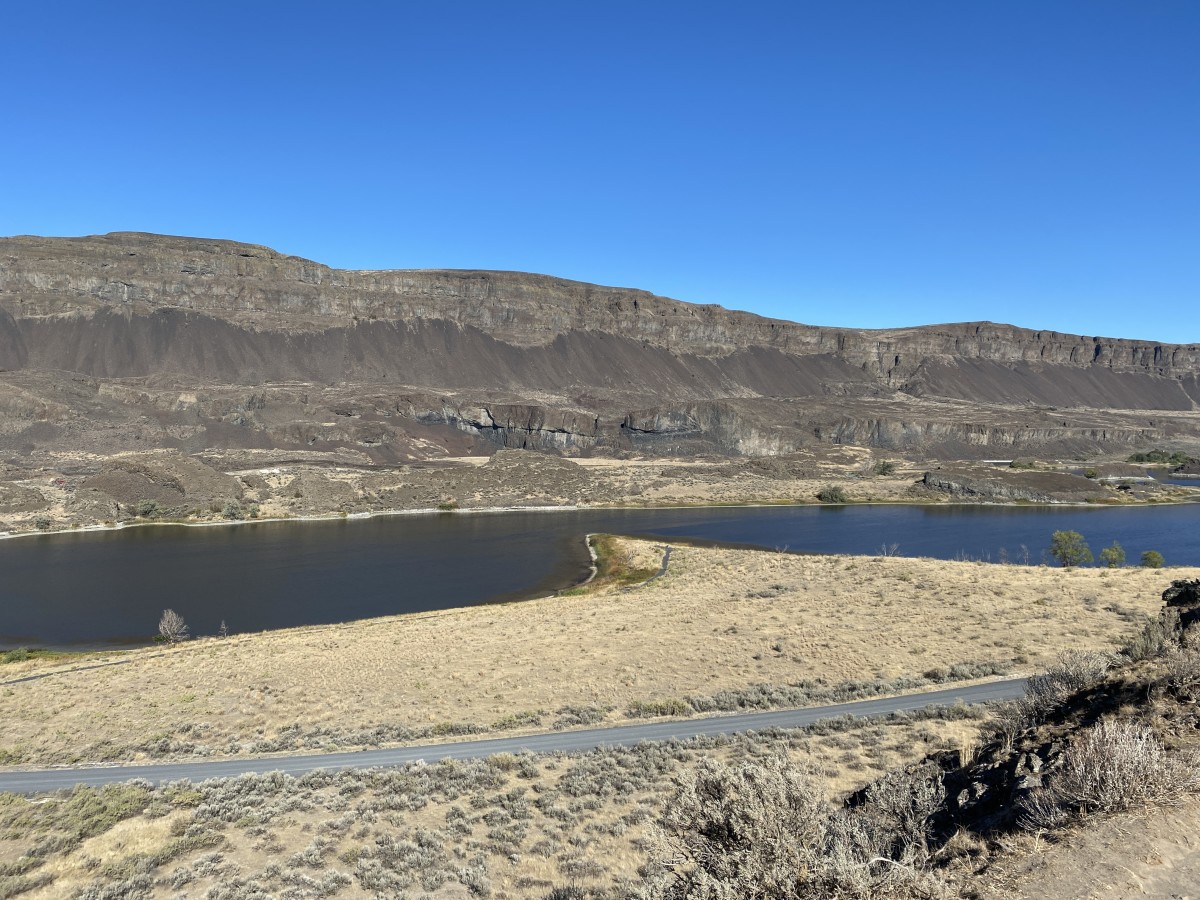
616	564
1161	457
833	493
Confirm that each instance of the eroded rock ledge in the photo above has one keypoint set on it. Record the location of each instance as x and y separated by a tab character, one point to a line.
120	342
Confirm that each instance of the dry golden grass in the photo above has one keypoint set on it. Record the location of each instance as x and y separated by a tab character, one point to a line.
573	827
123	841
720	619
688	481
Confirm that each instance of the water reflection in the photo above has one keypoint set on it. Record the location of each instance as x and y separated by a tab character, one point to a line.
109	588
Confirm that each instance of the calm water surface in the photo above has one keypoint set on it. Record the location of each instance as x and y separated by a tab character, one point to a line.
105	589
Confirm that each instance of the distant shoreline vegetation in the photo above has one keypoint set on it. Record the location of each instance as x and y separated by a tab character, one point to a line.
1162	457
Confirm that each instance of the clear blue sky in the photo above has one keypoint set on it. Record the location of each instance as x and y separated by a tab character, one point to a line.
866	164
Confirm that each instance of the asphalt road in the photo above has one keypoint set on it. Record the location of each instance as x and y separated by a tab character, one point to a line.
40	780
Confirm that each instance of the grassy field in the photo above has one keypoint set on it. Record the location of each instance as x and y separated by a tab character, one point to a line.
505	827
724	629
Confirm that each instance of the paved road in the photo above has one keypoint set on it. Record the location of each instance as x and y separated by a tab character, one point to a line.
39	780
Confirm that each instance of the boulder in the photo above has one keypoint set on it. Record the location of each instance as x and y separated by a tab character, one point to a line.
1009	486
1183	596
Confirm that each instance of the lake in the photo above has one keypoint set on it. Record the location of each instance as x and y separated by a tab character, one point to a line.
106	589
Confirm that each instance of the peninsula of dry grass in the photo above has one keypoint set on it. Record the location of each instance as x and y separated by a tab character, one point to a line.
720	620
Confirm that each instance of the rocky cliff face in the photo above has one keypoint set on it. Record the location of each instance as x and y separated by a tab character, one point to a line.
512	359
1007	486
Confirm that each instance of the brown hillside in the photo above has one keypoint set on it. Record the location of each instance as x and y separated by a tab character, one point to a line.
194	330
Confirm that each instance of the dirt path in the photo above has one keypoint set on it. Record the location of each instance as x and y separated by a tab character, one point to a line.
1152	854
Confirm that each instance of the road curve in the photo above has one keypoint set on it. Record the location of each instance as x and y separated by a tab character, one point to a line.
40	780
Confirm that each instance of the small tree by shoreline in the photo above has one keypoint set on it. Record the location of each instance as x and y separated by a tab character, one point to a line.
1114	556
1070	549
172	628
832	493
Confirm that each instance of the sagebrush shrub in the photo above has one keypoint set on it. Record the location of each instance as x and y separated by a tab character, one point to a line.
1183	674
1116	765
761	831
1075	671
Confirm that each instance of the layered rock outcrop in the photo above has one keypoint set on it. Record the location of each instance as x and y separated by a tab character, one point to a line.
518	360
1007	487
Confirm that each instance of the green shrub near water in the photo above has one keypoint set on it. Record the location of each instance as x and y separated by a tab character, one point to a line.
1070	549
1152	559
832	493
1160	456
1114	556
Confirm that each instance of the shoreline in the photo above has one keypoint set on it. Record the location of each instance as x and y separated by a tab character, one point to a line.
100	650
806	602
493	510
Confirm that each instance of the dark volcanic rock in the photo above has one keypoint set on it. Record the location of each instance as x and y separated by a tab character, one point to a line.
1035	487
1184	597
129	304
122	341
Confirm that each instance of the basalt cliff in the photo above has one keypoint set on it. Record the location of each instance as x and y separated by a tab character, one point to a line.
133	341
